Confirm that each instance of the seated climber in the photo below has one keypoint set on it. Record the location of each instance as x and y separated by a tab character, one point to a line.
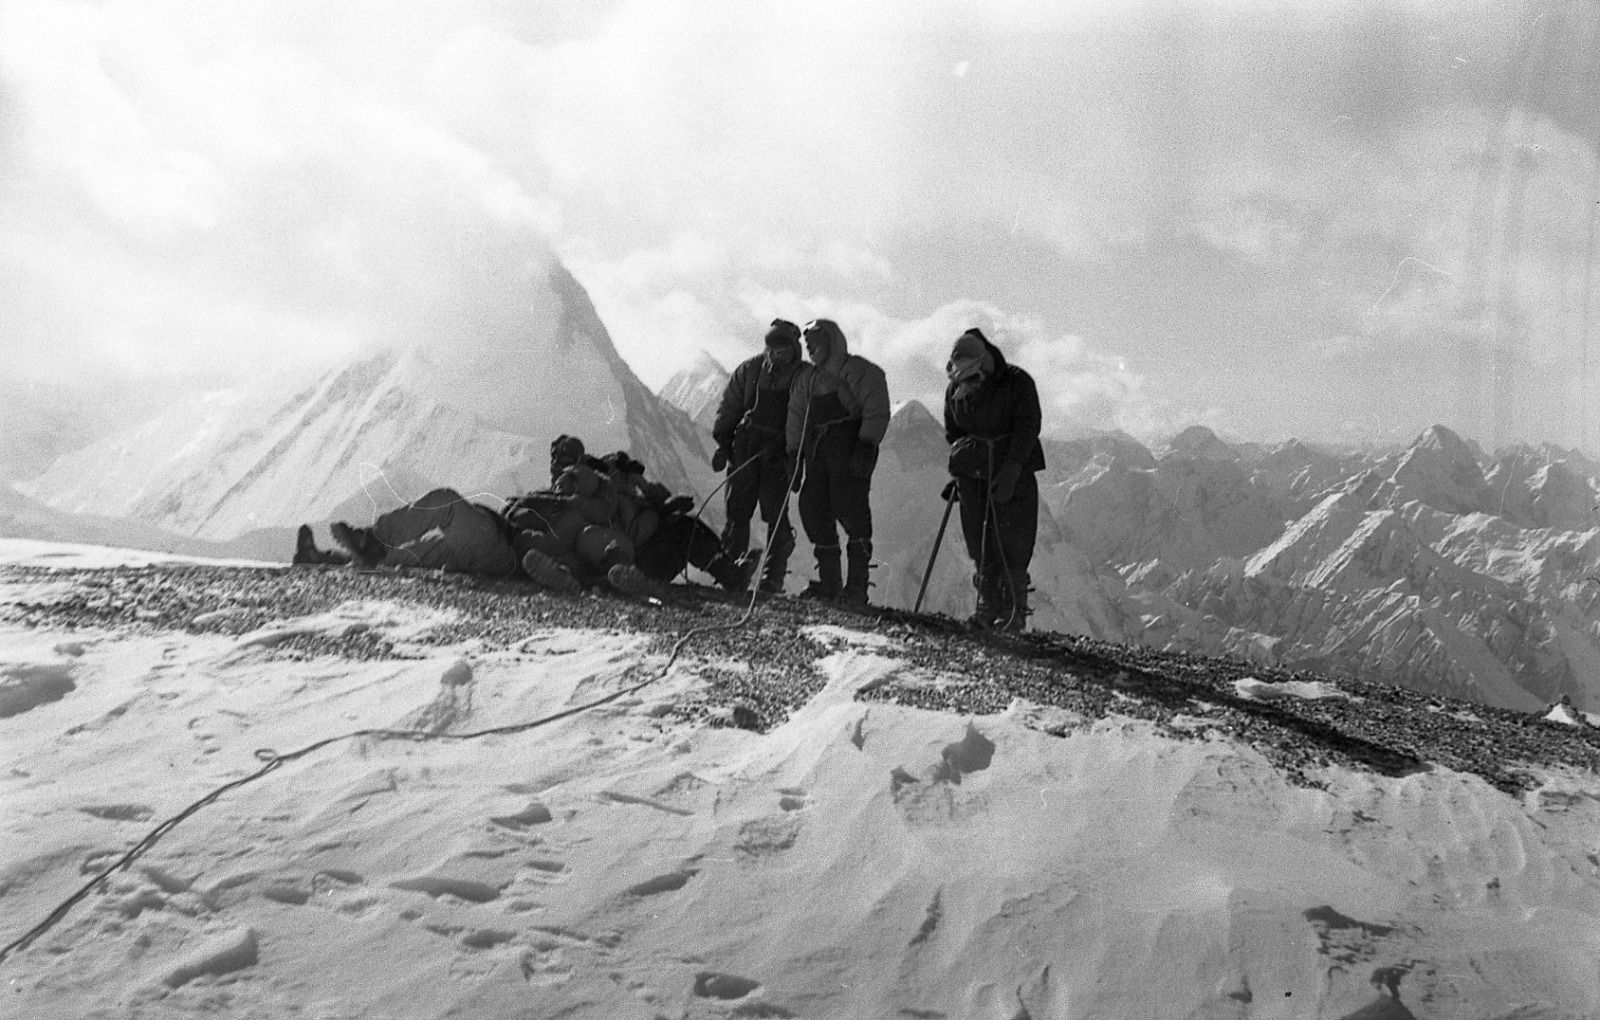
574	532
556	536
600	521
667	537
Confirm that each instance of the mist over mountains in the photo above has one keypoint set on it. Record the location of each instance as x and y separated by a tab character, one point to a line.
476	414
1438	566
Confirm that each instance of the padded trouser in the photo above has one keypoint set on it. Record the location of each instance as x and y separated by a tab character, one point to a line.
1000	538
832	497
762	485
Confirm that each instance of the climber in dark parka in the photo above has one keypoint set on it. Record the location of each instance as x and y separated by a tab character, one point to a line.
749	432
991	421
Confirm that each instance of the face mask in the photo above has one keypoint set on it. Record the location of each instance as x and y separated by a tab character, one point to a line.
959	369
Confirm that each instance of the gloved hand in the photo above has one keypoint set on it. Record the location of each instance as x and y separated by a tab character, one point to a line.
950	491
863	459
1004	485
678	505
719	460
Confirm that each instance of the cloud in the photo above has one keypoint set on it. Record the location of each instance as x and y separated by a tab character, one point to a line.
1079	389
188	210
188	188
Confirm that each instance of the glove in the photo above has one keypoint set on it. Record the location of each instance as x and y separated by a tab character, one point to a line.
863	459
951	491
678	505
719	460
1004	485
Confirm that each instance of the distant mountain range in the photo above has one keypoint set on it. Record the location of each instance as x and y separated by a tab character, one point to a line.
1436	565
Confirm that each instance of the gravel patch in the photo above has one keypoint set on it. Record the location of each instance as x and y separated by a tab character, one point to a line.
761	670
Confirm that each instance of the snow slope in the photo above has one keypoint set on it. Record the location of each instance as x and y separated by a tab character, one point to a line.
859	860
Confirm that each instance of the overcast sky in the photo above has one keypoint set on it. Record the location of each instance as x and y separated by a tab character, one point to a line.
1327	220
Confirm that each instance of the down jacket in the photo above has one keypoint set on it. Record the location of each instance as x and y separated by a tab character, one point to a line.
862	388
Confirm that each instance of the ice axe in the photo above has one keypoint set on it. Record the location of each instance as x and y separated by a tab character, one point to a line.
938	540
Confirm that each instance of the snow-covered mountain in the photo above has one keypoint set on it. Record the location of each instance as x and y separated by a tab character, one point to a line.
1436	566
697	390
473	412
1433	567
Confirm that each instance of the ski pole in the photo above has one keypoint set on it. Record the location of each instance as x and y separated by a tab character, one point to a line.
933	555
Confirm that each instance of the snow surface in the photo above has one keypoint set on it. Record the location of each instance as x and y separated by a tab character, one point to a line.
861	860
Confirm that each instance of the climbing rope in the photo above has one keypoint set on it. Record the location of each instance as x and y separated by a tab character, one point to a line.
274	760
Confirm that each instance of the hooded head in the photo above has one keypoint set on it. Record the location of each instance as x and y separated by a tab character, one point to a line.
623	464
973	358
565	451
825	343
783	344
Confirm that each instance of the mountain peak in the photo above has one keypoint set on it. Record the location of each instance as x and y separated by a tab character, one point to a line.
476	416
913	414
697	388
1199	441
1440	437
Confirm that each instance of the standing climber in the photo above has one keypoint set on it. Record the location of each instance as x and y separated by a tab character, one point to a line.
991	421
838	414
749	432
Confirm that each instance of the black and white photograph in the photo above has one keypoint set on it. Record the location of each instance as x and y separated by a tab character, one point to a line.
647	510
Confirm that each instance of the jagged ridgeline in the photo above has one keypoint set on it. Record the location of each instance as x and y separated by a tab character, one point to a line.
1437	566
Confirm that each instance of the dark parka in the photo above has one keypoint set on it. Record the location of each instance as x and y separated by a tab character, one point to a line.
750	426
1005	408
743	396
1000	532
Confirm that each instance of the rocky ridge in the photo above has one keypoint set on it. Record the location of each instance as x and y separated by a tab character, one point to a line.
1070	681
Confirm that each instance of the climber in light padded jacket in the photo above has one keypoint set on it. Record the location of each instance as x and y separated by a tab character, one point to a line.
838	414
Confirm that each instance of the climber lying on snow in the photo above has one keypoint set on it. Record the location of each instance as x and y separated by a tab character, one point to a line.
599	521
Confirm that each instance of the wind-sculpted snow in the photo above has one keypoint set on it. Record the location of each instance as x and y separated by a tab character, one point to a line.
917	822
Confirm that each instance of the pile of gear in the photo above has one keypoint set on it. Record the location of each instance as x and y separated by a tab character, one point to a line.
600	522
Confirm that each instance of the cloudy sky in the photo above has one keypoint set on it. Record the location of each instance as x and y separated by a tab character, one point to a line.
1328	220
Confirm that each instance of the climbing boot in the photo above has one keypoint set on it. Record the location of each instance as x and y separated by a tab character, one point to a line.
777	562
990	609
1015	592
630	580
363	546
827	585
548	574
733	575
306	551
858	570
